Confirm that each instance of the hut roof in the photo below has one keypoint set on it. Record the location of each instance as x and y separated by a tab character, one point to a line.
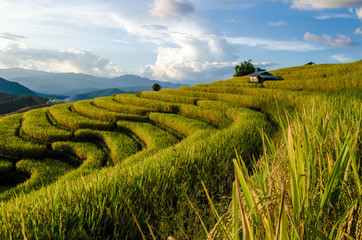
263	74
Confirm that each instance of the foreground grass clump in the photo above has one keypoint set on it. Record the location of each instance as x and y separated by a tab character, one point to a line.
308	186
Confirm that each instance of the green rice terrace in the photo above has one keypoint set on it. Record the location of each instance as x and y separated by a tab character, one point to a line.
225	160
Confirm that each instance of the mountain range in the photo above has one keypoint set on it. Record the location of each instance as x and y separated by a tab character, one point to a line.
68	84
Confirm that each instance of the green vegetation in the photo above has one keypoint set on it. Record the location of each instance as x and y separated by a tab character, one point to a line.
12	145
225	160
169	98
184	125
156	87
66	117
10	103
88	109
120	145
245	68
5	166
42	172
111	104
36	125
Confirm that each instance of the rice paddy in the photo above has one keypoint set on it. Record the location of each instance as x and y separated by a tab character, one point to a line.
229	158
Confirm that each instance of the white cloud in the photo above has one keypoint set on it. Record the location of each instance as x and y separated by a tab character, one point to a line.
265	64
16	54
322	4
10	36
329	16
171	8
359	12
341	58
194	54
358	31
277	23
274	45
340	41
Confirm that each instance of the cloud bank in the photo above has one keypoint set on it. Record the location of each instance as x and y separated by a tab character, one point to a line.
341	58
340	41
171	8
322	4
297	46
16	54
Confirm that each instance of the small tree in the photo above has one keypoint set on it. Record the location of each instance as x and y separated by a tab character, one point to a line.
156	87
244	68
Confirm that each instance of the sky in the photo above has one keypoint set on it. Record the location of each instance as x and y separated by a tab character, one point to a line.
186	41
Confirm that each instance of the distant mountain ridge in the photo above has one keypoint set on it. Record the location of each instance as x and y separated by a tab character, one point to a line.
69	83
14	88
95	94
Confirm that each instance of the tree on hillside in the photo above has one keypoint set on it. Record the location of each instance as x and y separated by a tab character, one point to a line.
156	87
245	68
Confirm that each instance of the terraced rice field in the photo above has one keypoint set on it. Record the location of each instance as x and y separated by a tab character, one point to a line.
122	154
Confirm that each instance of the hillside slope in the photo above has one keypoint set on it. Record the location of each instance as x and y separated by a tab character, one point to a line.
14	88
138	165
10	102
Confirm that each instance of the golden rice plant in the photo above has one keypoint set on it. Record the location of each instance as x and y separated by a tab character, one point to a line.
36	125
147	103
12	145
201	112
184	125
87	108
92	156
42	172
63	114
5	166
120	144
111	104
169	98
152	135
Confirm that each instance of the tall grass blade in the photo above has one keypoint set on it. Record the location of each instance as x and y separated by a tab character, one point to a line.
317	233
333	179
220	219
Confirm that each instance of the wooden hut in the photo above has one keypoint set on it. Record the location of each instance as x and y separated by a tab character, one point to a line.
261	76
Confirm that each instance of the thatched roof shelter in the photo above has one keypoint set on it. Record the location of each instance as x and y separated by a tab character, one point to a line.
261	76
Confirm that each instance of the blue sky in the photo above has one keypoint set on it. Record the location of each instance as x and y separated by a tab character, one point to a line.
189	41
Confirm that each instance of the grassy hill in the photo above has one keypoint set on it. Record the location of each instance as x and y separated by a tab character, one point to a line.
230	159
10	102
